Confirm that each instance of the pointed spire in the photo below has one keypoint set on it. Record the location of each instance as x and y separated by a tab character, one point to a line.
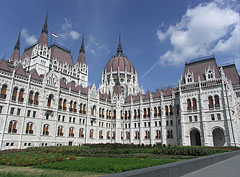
45	26
17	46
82	45
119	49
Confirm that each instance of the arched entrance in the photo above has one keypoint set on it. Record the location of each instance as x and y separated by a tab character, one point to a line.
195	138
218	137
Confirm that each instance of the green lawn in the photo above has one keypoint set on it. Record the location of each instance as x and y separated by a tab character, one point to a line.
106	164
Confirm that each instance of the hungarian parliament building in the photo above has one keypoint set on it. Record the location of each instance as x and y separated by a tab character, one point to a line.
45	100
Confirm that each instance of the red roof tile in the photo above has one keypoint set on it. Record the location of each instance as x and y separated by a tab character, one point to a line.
232	74
61	54
35	76
4	66
20	71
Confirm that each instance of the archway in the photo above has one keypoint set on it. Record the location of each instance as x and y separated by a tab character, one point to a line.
218	137
195	138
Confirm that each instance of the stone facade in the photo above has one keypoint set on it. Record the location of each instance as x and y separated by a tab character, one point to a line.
46	101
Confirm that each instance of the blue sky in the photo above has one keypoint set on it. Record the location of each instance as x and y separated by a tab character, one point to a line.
157	36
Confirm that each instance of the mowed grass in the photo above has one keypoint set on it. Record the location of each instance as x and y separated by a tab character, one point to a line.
106	164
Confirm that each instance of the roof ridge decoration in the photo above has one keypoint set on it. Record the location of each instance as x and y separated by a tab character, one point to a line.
81	56
119	49
45	26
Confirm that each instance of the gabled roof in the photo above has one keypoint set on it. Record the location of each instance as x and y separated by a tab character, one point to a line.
232	73
147	95
61	54
20	71
157	94
28	52
198	68
4	66
128	99
35	76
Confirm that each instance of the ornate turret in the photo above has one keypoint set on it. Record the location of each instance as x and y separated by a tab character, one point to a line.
119	49
81	55
16	51
43	40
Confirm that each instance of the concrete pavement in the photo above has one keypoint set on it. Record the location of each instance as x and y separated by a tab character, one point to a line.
226	168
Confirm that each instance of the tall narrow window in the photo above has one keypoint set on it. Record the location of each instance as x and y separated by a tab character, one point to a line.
159	111
81	134
46	129
36	98
147	135
138	113
216	99
100	112
210	102
194	102
135	114
91	133
30	98
50	97
60	104
71	133
129	114
65	105
29	128
84	109
20	97
166	110
155	112
81	108
127	135
75	106
14	95
158	134
144	113
108	134
171	110
189	105
60	131
71	106
100	134
3	92
149	112
12	128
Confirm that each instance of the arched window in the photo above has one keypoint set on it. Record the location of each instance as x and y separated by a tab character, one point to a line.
60	103
81	108
71	133
129	114
149	112
169	134
108	134
159	111
194	103
210	102
30	98
3	92
65	105
144	113
114	114
135	114
75	107
71	106
93	110
125	115
166	110
138	113
158	134
137	135
81	134
155	112
60	131
91	133
50	97
189	105
113	135
121	114
84	109
20	97
29	128
12	128
36	98
14	95
171	110
100	134
100	112
147	135
216	99
46	129
127	135
109	114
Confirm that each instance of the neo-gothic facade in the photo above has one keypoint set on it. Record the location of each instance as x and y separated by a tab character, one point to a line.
45	101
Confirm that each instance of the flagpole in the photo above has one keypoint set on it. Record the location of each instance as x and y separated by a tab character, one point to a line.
51	38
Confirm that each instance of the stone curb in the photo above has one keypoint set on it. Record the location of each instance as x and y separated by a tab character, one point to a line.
178	168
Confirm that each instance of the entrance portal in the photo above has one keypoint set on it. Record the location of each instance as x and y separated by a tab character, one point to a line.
195	138
218	137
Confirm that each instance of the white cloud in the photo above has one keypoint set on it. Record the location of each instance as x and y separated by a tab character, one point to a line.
74	35
93	46
205	29
67	24
29	39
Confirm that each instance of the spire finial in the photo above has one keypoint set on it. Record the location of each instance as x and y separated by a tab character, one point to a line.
119	49
45	27
82	45
17	46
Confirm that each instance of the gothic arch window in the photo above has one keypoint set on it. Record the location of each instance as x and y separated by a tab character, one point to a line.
36	97
108	134
65	105
3	92
114	114
194	103
113	135
158	134
75	106
14	95
60	131
139	113
189	104
135	114
169	134
71	106
128	135
147	135
144	112
29	128
166	110
45	129
20	96
159	111
100	112
81	133
30	97
210	102
155	112
171	110
137	135
100	134
189	77
210	73
149	112
125	115
81	108
129	114
12	128
91	133
84	109
60	104
216	100
50	98
71	133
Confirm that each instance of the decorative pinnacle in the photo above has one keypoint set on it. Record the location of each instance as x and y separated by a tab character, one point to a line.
119	49
17	46
45	27
82	45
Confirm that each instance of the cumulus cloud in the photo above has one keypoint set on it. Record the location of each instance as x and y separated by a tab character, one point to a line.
208	28
93	46
29	39
67	31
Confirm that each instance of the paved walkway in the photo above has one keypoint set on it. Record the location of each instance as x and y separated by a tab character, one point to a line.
226	168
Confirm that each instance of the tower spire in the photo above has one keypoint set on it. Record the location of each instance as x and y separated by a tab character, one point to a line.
16	52
82	45
17	46
119	49
45	26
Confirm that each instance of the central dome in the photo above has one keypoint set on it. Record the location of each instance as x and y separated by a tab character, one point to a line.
119	62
